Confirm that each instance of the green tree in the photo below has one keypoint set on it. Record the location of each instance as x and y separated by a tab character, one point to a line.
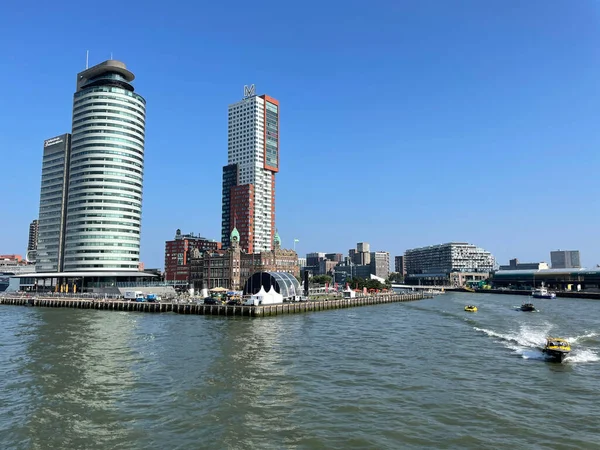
356	283
396	277
321	279
375	284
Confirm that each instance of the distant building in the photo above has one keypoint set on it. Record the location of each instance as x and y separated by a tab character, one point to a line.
32	241
575	279
347	269
231	268
399	265
314	258
301	262
361	255
435	264
565	259
319	263
514	264
337	257
11	259
380	264
178	252
326	266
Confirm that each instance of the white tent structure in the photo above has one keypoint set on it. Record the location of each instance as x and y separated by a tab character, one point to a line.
263	297
349	293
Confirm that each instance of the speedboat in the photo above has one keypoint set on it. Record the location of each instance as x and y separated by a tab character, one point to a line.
527	307
556	348
543	293
471	308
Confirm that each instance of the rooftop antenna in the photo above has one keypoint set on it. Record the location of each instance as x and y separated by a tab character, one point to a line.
110	55
87	56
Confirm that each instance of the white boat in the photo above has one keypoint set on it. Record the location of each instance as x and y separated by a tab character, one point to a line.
543	293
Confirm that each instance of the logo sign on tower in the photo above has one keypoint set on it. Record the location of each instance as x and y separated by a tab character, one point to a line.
249	91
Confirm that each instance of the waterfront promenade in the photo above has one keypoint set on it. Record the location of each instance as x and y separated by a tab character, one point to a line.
212	310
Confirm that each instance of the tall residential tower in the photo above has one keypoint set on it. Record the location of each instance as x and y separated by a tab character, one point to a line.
249	177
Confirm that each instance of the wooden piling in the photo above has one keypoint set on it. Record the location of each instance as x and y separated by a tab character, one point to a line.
214	310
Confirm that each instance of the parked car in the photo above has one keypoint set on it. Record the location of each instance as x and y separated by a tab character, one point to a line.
210	301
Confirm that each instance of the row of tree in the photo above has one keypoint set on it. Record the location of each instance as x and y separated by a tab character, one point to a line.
360	283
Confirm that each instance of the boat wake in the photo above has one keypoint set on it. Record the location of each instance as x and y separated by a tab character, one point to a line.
528	343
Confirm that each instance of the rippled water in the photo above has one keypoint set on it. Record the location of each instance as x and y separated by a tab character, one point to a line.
407	375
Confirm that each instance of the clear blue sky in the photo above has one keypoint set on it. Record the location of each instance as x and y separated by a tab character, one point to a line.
403	124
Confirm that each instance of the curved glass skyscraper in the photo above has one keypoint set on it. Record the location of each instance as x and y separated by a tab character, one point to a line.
103	213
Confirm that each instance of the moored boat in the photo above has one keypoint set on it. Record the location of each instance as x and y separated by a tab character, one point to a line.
556	348
543	293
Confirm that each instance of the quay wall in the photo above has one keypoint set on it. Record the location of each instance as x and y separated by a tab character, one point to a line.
565	294
214	310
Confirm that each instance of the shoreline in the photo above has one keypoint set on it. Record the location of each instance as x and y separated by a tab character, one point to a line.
213	310
585	295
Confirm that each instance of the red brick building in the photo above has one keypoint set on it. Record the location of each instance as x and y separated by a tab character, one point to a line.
178	251
232	267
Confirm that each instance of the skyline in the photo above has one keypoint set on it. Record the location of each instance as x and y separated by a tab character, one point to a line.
481	114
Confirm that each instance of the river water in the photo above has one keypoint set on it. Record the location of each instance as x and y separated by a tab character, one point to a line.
422	374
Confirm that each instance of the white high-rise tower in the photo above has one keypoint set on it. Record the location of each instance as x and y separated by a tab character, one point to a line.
249	177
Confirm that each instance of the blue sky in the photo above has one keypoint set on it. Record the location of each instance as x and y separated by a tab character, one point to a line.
403	124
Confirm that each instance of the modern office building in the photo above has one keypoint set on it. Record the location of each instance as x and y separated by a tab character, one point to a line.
399	265
380	264
53	204
91	195
249	178
565	259
178	252
436	264
32	241
106	171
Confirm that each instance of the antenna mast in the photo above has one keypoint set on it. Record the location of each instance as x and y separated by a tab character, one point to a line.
87	56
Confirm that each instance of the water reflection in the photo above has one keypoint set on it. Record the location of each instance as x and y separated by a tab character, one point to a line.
257	377
76	367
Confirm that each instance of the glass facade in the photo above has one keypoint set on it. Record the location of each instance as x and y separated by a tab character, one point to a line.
55	173
103	217
230	179
272	135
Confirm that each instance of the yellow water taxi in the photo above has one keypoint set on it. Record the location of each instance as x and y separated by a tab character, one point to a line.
557	348
471	308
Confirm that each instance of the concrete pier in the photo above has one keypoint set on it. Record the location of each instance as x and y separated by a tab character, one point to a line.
213	310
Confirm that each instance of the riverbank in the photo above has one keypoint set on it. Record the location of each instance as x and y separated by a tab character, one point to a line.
214	310
567	294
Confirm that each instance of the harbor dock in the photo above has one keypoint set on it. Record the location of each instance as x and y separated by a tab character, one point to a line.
559	294
213	310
